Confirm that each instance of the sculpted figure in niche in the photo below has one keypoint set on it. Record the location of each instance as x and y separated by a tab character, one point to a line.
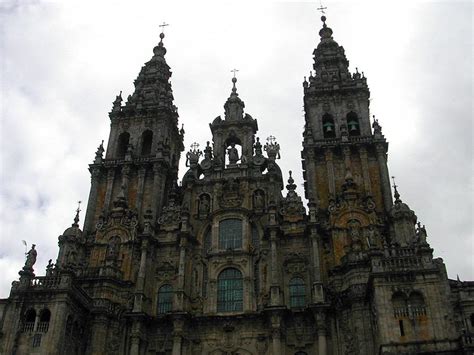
233	154
204	204
113	248
259	200
30	258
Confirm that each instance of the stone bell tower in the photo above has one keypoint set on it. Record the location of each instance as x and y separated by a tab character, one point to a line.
344	162
143	149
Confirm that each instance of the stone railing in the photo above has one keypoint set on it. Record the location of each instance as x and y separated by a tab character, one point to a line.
28	327
42	327
400	263
45	282
409	312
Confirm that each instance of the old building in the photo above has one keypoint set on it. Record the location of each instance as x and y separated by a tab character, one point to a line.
227	261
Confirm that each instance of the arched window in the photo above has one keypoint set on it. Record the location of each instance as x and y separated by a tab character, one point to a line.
399	303
43	324
230	291
165	299
230	234
297	292
329	128
147	140
416	304
353	124
29	320
122	144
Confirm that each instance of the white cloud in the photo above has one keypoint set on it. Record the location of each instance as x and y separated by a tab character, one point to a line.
63	64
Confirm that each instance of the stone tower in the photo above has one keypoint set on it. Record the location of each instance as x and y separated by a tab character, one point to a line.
227	262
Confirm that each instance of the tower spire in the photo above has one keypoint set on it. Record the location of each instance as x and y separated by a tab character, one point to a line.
76	218
395	194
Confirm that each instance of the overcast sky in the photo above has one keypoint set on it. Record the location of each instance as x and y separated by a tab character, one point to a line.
63	62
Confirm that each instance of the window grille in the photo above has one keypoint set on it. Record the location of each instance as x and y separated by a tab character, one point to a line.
230	234
37	340
230	291
165	299
297	292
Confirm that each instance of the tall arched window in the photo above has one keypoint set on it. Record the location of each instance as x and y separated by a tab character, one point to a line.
147	140
297	292
230	234
165	299
29	320
329	128
43	324
416	304
230	291
353	124
122	144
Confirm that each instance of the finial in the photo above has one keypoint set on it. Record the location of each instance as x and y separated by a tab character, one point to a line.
291	182
76	218
163	25
181	131
396	194
234	80
160	50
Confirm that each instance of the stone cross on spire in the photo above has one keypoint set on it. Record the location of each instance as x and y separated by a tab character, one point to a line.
76	218
163	25
321	8
395	194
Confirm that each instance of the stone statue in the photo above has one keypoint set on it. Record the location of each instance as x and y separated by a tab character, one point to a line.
30	258
259	200
112	248
258	147
49	268
233	154
204	205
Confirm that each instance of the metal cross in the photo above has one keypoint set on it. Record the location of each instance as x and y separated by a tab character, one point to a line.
195	146
78	206
321	7
163	25
234	71
271	139
394	185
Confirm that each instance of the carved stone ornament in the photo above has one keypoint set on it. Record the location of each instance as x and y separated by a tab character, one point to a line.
230	194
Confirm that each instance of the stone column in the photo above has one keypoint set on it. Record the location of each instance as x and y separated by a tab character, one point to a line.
322	342
137	306
92	202
140	189
384	177
328	154
311	175
99	335
365	170
178	325
135	345
322	332
318	295
181	268
276	342
276	334
110	185
157	191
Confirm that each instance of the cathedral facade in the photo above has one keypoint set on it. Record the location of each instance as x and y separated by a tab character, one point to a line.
232	260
